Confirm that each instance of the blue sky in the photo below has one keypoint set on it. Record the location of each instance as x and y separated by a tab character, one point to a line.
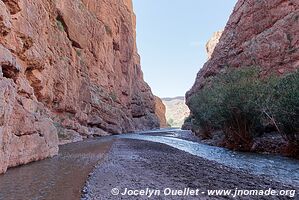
171	38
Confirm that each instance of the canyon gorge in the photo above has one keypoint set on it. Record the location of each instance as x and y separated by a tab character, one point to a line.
72	90
69	70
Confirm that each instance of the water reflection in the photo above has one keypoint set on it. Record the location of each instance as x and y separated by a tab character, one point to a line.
61	177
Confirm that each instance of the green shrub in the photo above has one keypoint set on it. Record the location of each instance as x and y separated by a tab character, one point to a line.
231	103
241	104
188	119
240	109
204	107
286	109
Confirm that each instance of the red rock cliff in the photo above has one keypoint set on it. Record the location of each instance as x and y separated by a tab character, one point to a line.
160	110
68	68
259	33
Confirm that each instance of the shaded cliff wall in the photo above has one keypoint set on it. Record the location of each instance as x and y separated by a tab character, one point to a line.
258	33
68	68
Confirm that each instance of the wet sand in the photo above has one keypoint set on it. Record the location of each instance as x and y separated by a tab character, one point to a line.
138	164
58	178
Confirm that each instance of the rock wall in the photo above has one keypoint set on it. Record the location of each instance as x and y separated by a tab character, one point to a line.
160	111
68	68
258	33
212	43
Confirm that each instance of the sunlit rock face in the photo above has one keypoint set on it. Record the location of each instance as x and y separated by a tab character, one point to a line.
212	43
69	69
258	33
160	111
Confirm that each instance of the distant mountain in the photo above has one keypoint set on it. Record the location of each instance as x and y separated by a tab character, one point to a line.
173	98
176	111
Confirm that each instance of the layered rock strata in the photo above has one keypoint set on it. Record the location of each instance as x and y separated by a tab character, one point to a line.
69	69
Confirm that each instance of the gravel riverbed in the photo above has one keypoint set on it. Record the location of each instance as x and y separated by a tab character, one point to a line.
142	165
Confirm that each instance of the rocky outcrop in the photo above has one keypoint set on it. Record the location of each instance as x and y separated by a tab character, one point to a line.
176	111
258	33
68	68
212	43
160	111
26	133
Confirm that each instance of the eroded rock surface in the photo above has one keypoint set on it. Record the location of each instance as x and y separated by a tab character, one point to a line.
258	33
68	68
160	111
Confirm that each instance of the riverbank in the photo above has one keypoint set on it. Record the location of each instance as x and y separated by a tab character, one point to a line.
135	164
267	143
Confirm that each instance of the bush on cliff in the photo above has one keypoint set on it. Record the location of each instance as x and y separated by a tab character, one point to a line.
242	104
286	109
205	108
231	103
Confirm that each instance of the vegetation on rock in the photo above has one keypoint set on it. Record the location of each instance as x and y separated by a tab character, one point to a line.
242	104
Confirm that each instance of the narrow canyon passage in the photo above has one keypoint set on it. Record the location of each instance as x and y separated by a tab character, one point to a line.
138	161
103	99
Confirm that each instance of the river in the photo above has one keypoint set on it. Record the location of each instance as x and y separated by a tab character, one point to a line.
63	176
